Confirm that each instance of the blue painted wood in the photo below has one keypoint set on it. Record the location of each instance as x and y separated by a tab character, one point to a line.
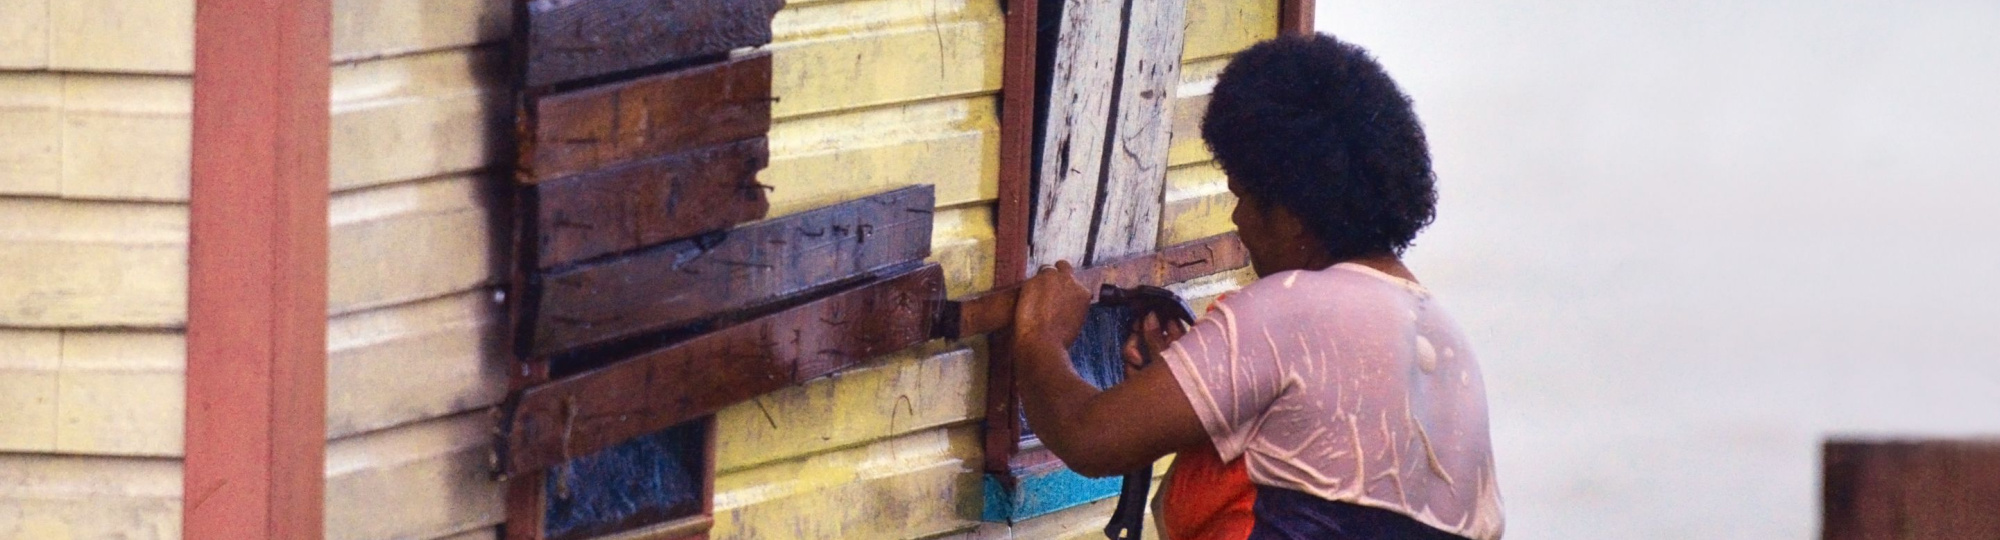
1042	493
649	479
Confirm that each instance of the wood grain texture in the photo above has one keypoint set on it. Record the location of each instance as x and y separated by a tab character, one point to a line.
647	117
1013	213
648	202
1128	220
1897	490
575	39
648	392
1073	141
683	282
257	271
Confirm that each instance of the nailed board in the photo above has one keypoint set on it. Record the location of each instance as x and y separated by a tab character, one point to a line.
1071	160
647	117
648	202
566	40
994	310
665	386
1911	490
689	281
1135	175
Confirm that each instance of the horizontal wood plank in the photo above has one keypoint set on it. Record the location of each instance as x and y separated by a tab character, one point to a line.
594	410
649	202
410	362
941	53
648	117
364	29
1909	490
926	387
917	485
422	480
54	496
419	116
993	311
575	39
121	36
688	281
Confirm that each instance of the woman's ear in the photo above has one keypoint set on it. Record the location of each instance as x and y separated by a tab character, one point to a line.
1287	226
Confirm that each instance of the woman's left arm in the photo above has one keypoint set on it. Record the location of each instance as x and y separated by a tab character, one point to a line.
1096	432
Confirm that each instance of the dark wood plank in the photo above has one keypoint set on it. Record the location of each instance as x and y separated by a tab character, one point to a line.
649	202
647	117
596	409
575	39
684	282
1895	490
993	311
1296	17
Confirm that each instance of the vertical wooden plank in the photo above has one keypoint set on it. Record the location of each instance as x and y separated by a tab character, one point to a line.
1128	219
1073	140
1296	17
256	374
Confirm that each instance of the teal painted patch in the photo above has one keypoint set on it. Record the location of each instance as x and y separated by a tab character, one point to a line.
1041	493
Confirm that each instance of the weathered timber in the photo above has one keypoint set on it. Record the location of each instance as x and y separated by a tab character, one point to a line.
684	282
1010	259
1075	130
1295	17
575	39
1135	175
1895	490
994	310
599	408
648	117
649	202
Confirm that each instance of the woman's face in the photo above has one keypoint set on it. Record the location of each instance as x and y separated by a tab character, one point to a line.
1277	240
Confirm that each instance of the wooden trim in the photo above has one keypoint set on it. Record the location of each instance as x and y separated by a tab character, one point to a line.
1921	488
696	526
653	390
257	266
1296	17
1010	234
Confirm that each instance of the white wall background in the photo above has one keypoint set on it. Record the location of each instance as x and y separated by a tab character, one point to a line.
1693	238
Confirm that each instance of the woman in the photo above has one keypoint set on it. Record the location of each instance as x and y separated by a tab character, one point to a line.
1347	392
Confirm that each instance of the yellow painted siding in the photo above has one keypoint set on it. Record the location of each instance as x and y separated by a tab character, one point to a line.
1222	27
1197	205
94	151
838	56
95	136
915	485
905	392
425	480
952	143
50	497
414	364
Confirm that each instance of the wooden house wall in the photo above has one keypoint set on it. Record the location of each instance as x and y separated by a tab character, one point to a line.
95	97
873	94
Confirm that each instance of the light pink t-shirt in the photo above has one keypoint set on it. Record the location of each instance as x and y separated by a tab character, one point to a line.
1351	385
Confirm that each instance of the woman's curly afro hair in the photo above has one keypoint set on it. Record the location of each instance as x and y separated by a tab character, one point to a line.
1315	125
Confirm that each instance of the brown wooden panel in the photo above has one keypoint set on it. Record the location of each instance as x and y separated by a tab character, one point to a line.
656	389
647	117
1010	252
649	202
692	280
994	310
575	39
1933	490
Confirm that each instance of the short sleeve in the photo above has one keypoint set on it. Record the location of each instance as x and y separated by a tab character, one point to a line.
1230	381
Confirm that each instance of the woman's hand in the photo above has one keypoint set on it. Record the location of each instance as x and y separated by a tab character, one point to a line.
1051	308
1157	339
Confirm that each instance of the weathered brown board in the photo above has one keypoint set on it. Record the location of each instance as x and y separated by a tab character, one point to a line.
647	117
994	310
692	280
575	39
1135	171
648	202
595	409
1073	141
1897	490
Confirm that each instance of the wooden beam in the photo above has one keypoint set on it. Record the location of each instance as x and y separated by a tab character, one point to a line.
1295	17
1884	490
648	392
1010	258
648	117
568	40
257	263
1073	144
689	281
1135	175
648	202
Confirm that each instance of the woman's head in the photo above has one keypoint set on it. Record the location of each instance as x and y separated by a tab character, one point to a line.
1322	150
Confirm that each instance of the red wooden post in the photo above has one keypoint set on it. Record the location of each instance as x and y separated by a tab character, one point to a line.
256	374
1296	17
